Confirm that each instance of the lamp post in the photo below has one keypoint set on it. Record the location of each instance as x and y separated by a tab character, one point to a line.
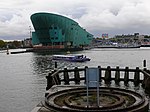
30	30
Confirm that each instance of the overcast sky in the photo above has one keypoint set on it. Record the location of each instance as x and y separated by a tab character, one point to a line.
96	16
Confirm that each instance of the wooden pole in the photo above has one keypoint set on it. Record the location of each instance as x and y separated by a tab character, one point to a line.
143	82
49	81
57	78
66	76
108	75
126	76
137	77
117	75
76	76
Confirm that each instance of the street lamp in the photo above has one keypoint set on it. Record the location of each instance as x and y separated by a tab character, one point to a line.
30	30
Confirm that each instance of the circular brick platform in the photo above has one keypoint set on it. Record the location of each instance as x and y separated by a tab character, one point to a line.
111	100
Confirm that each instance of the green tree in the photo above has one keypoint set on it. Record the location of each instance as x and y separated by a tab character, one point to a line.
146	36
2	44
16	44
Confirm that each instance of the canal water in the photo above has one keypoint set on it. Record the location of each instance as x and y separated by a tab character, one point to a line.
22	76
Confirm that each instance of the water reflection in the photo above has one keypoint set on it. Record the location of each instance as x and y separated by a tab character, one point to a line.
42	64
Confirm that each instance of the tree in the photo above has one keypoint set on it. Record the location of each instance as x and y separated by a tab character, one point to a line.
146	36
2	44
16	44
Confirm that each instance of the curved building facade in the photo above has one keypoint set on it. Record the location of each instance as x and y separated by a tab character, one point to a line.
53	29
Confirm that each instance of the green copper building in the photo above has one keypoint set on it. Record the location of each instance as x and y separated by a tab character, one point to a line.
53	29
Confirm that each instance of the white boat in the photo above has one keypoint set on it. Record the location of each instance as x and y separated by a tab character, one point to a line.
145	44
72	58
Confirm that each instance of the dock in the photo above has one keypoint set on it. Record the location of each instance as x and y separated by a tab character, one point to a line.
47	50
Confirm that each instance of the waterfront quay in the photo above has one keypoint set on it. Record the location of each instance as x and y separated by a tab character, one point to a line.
66	90
23	83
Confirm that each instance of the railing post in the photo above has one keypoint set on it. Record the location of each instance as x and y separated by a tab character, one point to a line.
108	75
66	76
126	76
57	78
49	81
146	81
117	75
143	82
137	77
147	85
76	76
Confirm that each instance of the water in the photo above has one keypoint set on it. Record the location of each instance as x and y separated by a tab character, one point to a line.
22	76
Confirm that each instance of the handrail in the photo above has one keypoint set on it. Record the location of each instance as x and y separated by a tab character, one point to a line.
54	78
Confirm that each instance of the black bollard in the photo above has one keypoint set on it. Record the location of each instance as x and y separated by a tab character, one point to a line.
55	64
144	63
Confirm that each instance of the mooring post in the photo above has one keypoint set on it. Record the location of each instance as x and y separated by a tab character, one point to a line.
66	76
144	63
126	76
7	52
55	64
76	75
137	77
117	75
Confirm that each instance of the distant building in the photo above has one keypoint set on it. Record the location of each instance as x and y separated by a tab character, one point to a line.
52	29
105	35
135	38
27	42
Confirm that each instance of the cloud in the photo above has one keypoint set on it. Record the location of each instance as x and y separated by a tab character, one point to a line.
96	16
14	24
117	16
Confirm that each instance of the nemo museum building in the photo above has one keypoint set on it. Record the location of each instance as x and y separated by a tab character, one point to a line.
54	31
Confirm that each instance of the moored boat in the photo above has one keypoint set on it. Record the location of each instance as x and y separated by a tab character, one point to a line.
145	44
72	58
